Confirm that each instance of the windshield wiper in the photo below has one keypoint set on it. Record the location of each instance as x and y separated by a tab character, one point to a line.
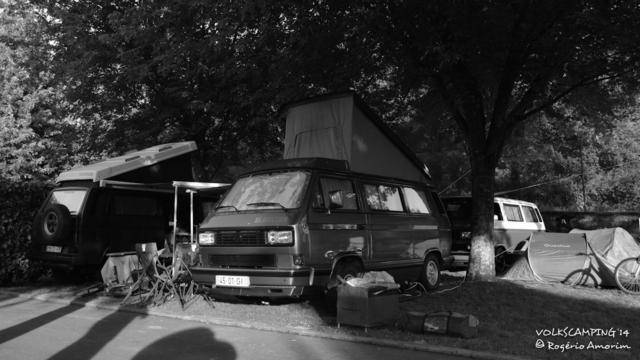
227	206
266	204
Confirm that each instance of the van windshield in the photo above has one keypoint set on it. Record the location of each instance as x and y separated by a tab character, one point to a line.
72	199
279	190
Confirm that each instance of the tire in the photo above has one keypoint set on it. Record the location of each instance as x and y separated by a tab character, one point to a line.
627	275
430	275
55	225
501	260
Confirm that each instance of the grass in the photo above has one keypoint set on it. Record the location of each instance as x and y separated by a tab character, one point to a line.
510	313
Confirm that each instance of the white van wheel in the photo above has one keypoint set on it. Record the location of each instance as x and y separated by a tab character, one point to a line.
501	260
430	275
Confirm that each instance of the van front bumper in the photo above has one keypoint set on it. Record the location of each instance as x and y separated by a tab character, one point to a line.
262	282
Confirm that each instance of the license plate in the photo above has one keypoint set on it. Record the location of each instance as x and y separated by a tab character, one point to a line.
232	281
53	249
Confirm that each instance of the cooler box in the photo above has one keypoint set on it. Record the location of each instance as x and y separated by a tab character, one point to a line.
367	306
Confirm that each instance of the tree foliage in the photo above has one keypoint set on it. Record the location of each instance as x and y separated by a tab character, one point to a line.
31	138
495	65
479	83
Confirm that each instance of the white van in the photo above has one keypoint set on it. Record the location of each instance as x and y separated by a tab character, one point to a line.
514	221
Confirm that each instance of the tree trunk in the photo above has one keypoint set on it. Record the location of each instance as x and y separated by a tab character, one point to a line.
481	257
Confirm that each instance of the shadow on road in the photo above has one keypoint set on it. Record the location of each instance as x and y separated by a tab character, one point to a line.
41	320
198	343
103	331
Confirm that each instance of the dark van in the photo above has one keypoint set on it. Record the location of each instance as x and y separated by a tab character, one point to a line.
109	206
293	226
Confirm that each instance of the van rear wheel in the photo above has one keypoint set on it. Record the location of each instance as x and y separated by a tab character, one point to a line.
430	275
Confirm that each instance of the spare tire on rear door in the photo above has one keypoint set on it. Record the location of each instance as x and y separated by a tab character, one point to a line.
56	223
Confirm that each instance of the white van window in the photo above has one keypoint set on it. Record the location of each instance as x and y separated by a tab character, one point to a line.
530	214
513	212
540	219
349	200
416	201
496	212
382	197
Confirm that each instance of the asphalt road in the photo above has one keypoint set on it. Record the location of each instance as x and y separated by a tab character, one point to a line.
33	329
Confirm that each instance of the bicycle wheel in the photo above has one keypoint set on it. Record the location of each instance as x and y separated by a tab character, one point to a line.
628	275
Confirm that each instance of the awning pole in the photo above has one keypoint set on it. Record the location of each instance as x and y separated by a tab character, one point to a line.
175	227
191	210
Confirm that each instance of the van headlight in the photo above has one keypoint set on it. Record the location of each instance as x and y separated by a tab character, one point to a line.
280	237
207	238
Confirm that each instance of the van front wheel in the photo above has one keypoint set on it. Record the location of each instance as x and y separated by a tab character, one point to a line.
430	275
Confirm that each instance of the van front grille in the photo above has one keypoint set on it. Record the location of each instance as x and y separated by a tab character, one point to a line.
240	238
245	261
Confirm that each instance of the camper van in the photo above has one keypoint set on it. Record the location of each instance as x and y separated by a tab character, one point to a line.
348	197
109	206
299	223
513	223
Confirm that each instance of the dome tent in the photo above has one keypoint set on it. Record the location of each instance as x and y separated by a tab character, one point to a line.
578	258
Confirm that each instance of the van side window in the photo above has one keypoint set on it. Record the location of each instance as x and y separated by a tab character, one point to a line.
513	212
416	201
317	202
383	197
496	212
530	214
345	187
135	205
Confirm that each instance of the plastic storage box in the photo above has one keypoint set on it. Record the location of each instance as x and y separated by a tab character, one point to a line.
367	306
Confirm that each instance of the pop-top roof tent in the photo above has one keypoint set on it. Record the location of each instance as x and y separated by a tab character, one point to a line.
160	163
578	258
341	127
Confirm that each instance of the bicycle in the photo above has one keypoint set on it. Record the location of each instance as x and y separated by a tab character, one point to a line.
627	275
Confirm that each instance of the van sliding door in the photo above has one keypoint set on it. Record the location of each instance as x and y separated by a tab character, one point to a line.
394	232
336	222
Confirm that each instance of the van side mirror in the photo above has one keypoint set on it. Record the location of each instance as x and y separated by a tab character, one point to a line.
336	199
495	217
